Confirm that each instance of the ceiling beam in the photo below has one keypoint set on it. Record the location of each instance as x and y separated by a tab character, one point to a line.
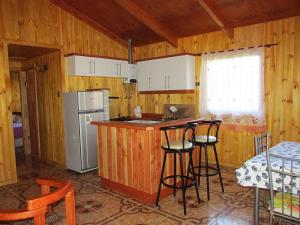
148	20
85	18
211	11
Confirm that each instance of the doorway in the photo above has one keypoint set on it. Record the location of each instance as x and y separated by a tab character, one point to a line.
29	68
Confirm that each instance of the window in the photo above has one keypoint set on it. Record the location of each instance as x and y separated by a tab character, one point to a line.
231	85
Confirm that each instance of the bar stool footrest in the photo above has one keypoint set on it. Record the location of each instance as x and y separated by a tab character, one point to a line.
189	183
212	171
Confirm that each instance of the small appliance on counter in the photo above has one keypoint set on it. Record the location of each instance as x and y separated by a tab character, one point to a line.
80	108
138	111
179	111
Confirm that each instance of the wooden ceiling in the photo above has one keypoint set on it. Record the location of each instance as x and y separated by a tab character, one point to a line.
149	21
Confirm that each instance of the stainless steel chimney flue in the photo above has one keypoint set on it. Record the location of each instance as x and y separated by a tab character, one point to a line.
129	51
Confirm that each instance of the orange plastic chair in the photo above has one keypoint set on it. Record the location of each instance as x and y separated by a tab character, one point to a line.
38	207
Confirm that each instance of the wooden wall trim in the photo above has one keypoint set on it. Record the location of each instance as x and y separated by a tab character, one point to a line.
167	92
33	44
95	56
8	173
166	56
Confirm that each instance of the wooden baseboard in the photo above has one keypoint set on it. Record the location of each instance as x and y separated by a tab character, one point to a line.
134	193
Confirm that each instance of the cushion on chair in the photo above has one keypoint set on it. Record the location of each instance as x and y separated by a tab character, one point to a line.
203	138
177	145
287	204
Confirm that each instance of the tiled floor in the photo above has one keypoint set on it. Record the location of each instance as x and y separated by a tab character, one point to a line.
95	205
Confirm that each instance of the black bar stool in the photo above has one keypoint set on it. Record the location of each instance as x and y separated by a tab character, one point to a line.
210	139
179	147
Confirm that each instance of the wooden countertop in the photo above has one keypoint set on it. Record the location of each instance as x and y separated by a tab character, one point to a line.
140	126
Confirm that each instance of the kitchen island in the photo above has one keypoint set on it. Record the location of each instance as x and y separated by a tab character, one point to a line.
130	156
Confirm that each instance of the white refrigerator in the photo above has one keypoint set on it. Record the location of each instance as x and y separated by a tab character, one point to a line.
80	108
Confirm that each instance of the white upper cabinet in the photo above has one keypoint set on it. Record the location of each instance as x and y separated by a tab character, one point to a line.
80	65
149	75
171	73
93	66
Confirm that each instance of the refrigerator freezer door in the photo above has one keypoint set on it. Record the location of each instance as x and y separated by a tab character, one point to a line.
90	100
88	140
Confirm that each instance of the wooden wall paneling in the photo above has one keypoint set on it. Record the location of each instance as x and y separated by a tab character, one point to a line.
26	17
67	32
287	127
9	13
8	172
14	66
40	23
296	81
281	72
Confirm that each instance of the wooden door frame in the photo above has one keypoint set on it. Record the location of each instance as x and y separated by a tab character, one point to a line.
4	43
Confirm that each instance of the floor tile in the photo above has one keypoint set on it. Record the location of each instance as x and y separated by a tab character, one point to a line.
96	205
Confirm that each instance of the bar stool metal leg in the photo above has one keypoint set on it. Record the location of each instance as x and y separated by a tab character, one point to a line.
161	178
182	183
191	164
175	166
206	172
199	164
218	167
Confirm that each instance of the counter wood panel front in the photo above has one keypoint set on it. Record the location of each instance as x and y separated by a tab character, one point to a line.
130	160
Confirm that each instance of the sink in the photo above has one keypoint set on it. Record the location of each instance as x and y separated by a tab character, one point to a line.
143	121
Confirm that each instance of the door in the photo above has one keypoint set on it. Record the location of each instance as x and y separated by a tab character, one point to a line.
25	116
33	115
88	140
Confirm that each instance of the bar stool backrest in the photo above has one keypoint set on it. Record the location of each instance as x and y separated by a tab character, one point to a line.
212	129
187	129
262	142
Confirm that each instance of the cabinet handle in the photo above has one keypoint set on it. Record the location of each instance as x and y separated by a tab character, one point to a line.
94	67
120	69
168	81
149	82
91	67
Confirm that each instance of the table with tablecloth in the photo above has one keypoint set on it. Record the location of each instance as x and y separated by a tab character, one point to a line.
254	172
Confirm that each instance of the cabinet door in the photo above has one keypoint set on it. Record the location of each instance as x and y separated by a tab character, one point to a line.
79	66
180	73
157	79
150	76
176	73
102	67
143	76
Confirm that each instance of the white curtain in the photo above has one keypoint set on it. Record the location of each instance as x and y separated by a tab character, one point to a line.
232	83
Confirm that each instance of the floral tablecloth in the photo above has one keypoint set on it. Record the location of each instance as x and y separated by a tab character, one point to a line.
254	172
